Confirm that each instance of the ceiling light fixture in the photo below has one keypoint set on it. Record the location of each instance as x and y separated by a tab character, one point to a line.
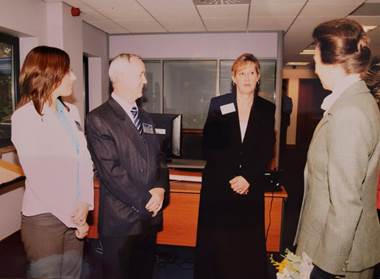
308	52
297	63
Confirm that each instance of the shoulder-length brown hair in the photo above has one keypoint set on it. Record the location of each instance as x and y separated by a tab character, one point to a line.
42	72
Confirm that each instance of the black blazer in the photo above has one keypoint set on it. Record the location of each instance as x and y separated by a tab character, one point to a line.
128	165
227	156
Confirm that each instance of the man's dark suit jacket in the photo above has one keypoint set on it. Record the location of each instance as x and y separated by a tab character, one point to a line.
128	165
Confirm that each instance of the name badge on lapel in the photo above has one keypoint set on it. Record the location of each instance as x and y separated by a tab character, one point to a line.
228	108
160	131
147	128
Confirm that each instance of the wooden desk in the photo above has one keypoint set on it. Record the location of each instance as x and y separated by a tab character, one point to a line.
15	182
181	216
11	167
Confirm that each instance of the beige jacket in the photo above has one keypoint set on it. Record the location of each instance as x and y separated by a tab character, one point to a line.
338	226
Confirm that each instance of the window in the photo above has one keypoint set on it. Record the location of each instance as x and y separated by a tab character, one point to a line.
186	86
9	69
153	90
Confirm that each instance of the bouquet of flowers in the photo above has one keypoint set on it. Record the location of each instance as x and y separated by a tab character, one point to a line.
293	266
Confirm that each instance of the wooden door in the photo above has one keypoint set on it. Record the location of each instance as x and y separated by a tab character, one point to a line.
311	95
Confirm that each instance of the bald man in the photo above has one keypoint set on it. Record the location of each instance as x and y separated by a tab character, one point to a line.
132	173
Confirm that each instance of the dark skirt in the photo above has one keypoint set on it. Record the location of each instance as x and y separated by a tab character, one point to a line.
231	237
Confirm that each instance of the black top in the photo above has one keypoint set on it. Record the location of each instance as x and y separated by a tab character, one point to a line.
231	238
227	156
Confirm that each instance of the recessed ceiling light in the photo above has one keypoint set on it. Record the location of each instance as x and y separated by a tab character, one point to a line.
308	52
297	63
368	28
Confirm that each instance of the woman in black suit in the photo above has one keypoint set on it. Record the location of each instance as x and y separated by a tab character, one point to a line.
238	140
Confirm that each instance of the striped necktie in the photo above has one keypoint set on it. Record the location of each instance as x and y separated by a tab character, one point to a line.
136	119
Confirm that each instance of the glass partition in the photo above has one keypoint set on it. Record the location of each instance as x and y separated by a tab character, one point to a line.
189	85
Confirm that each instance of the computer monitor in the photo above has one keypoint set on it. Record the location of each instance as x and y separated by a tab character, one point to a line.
168	131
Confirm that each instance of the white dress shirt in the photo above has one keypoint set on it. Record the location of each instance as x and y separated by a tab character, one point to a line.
126	106
243	129
339	87
53	167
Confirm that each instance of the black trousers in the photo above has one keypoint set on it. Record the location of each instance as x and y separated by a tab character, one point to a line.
318	273
130	257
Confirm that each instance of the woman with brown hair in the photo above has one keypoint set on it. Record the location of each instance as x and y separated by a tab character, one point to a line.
238	141
338	226
53	154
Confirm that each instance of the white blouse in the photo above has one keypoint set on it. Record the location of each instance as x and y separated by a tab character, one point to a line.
57	176
243	129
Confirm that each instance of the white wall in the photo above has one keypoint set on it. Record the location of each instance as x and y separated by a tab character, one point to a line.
197	45
10	212
73	45
54	24
24	18
96	45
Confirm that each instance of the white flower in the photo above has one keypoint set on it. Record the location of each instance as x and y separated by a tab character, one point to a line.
293	266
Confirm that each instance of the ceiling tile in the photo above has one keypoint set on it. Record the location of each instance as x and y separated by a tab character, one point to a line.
269	23
332	9
119	9
108	26
224	24
278	2
150	16
341	2
174	15
177	25
224	17
223	11
79	4
141	26
275	9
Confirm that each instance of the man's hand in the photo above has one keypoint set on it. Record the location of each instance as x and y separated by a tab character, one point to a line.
79	214
154	205
82	231
239	185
